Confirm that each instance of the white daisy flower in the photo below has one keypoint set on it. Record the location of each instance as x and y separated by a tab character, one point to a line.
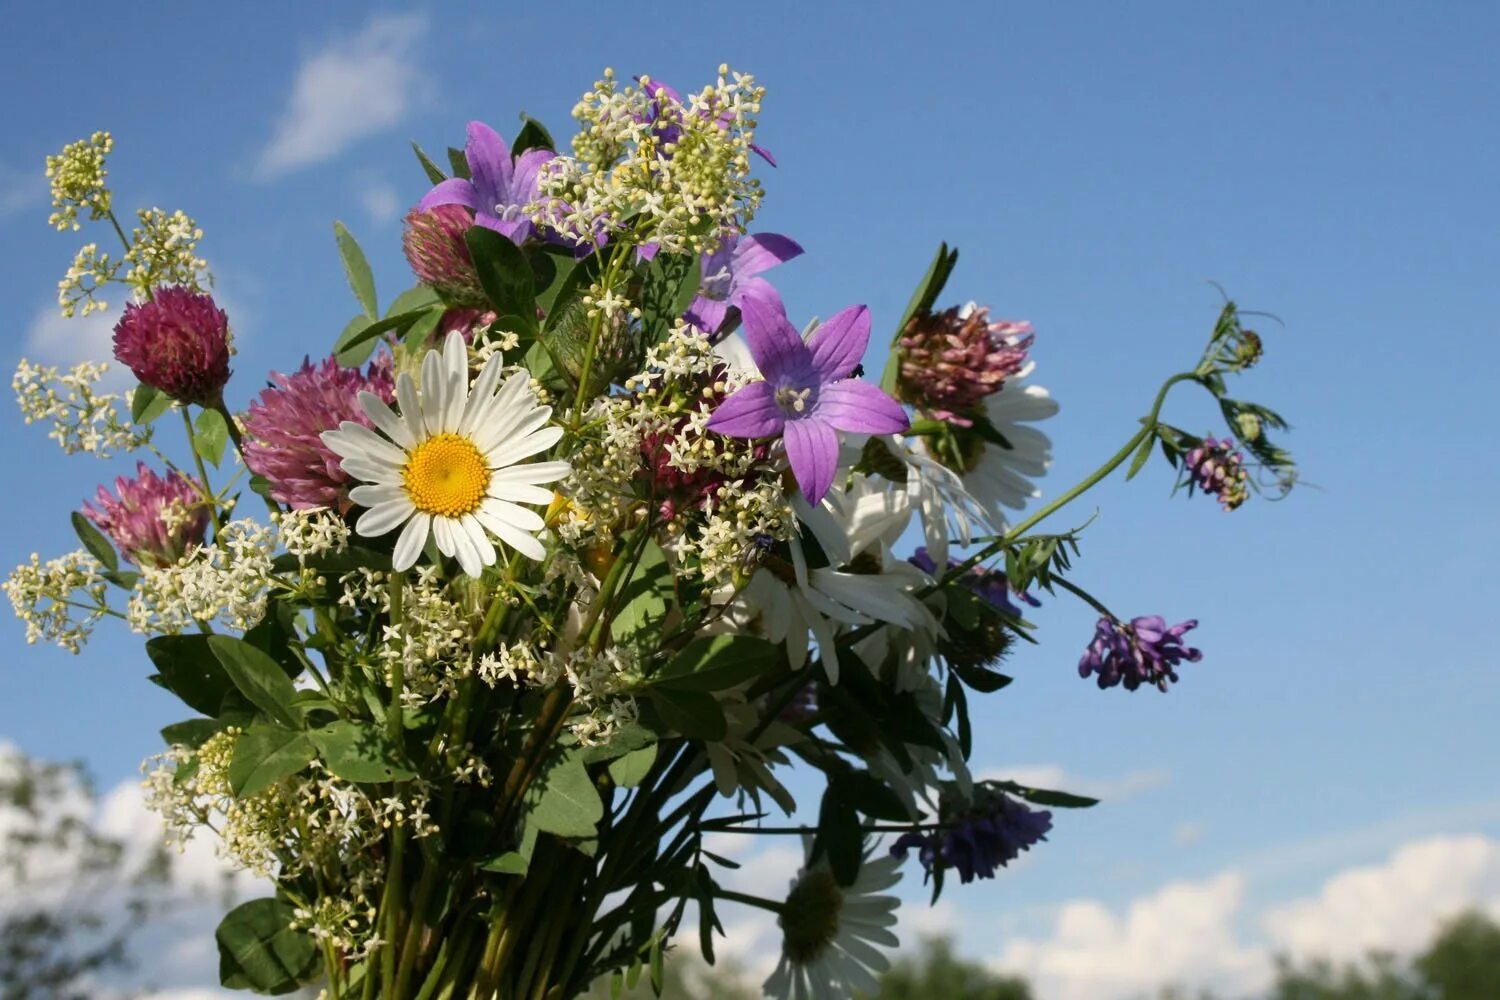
449	464
830	933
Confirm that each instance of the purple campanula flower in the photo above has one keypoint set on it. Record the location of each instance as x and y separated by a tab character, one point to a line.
731	274
133	516
988	836
1217	469
807	396
1144	652
501	185
284	425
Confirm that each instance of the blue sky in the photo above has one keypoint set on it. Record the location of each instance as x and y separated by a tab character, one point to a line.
1098	168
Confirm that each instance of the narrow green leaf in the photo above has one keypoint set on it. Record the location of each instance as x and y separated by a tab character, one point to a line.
94	541
646	596
263	755
432	170
258	677
210	436
1141	455
533	135
631	769
1046	797
459	162
359	751
147	403
565	801
839	836
715	662
414	299
359	338
694	714
357	270
928	289
258	950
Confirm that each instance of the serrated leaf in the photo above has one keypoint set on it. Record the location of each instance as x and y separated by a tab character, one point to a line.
360	752
631	769
357	270
263	755
210	436
258	677
715	662
432	170
94	541
258	950
147	403
564	801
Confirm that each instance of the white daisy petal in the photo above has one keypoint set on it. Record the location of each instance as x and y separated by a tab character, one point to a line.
382	519
370	471
413	539
442	533
519	492
372	445
533	472
478	538
520	517
524	447
435	384
411	406
464	549
517	539
371	496
383	417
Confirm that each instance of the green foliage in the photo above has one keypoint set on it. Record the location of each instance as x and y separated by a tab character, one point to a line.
210	436
94	541
263	755
259	951
565	802
359	751
258	677
147	403
935	971
357	270
715	662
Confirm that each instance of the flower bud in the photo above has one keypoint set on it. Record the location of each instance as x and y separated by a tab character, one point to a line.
439	256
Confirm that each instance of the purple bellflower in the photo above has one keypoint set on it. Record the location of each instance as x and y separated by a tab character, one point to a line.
501	187
731	274
1144	652
807	396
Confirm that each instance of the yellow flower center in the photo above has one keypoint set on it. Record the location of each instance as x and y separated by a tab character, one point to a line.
446	475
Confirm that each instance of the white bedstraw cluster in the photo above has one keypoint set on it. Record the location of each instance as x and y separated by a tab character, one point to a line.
164	251
60	600
83	419
599	682
225	584
77	178
312	532
676	172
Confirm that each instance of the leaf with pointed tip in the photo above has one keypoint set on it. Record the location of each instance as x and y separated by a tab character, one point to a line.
357	270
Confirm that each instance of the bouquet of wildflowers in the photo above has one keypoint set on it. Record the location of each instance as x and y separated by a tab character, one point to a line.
565	559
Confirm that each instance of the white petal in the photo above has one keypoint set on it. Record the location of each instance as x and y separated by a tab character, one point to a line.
532	472
370	471
379	520
372	445
507	428
442	533
434	392
522	518
411	406
482	393
508	533
385	418
465	550
374	496
479	538
524	447
410	544
519	492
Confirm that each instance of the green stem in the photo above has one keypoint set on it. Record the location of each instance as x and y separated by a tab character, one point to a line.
392	902
1085	596
747	900
208	492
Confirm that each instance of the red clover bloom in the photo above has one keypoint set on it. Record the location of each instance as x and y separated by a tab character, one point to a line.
952	360
153	520
177	342
439	257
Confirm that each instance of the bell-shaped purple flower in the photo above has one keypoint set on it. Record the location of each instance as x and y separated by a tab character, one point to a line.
1144	652
807	396
731	275
988	836
500	186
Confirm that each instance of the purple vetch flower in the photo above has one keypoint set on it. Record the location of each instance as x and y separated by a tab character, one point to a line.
434	243
133	517
501	186
177	342
807	396
1143	652
1217	469
282	428
989	836
731	274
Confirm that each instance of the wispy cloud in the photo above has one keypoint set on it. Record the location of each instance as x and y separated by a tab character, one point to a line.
352	88
56	340
20	190
380	202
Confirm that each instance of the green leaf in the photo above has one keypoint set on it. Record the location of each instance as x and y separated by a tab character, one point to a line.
518	861
93	539
1141	455
210	435
263	755
414	299
839	835
190	732
147	403
415	337
670	284
188	669
258	950
357	270
258	677
631	769
1045	797
565	802
694	714
533	135
551	267
359	338
459	162
631	736
980	679
715	662
360	752
928	289
646	596
874	797
506	278
432	170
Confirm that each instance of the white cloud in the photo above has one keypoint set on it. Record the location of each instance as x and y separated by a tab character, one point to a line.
381	203
1393	905
20	190
354	87
57	340
1055	778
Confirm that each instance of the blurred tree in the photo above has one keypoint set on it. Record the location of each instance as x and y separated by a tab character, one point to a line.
935	971
1463	962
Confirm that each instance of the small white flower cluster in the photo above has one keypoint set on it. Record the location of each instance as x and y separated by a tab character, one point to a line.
84	280
60	600
164	251
306	822
77	178
225	583
83	420
600	682
435	640
312	532
677	172
347	921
